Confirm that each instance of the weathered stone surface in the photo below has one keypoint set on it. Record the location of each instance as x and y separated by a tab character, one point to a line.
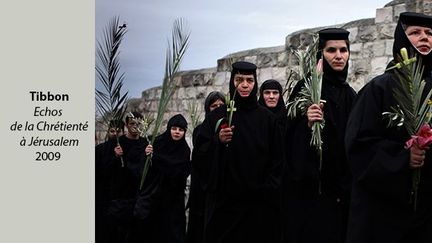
221	78
397	9
353	34
367	33
389	47
384	15
378	65
386	31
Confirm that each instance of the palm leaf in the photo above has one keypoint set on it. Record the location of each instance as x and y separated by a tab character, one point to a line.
174	55
194	115
309	94
110	102
412	110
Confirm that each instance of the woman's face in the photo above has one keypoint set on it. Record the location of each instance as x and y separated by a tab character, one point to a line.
421	38
177	133
336	54
216	104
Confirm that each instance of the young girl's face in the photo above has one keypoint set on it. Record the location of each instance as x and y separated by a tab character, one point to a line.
177	133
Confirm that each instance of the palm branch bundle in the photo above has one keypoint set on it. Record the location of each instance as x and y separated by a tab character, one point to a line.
194	115
110	102
174	55
311	73
412	111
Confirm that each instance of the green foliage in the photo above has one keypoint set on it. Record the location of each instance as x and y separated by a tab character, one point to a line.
411	111
310	92
174	55
194	115
110	102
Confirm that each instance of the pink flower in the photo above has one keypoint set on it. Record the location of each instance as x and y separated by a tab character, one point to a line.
223	125
422	139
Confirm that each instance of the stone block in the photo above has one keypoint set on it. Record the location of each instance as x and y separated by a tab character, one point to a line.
279	73
282	59
181	93
384	15
353	34
397	9
367	33
389	48
251	59
379	47
221	78
356	48
267	60
378	65
190	92
201	92
264	74
386	31
367	51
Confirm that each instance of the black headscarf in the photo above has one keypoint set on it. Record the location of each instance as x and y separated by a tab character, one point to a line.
273	84
172	157
330	75
211	98
401	39
245	68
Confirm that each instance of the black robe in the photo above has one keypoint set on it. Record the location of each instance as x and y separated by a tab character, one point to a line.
160	208
316	203
104	165
380	209
196	201
242	178
125	183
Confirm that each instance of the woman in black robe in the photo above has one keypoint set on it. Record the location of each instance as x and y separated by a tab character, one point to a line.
382	168
279	110
241	166
160	208
197	195
316	200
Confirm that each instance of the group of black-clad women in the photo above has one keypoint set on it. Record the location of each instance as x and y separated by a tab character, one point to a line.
255	176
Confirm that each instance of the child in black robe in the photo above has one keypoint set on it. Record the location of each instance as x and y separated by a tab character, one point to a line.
160	208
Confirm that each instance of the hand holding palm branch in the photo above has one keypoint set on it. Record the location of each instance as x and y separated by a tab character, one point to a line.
110	102
176	50
412	111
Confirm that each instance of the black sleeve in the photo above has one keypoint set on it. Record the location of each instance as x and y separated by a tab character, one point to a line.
378	159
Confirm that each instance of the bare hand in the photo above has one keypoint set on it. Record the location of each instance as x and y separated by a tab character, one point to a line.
417	157
149	149
315	113
225	134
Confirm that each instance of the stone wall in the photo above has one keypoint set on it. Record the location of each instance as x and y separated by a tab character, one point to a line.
371	50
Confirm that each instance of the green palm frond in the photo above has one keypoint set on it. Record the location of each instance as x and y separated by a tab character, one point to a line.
174	55
309	94
412	109
289	86
194	115
311	91
408	92
110	102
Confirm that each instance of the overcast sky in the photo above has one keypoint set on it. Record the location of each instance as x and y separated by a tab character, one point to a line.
218	28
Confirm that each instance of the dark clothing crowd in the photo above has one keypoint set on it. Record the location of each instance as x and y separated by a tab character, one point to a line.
255	175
